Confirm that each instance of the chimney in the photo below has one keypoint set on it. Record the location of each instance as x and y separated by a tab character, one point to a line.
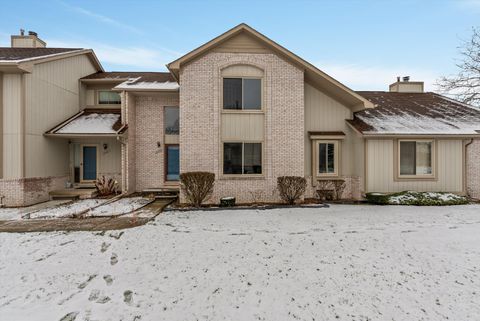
27	41
404	85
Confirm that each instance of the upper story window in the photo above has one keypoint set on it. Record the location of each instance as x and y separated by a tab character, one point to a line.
172	121
416	158
242	93
106	97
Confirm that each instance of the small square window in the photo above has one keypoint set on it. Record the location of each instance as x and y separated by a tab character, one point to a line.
416	158
327	154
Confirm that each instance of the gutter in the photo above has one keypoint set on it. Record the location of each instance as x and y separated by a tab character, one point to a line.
465	185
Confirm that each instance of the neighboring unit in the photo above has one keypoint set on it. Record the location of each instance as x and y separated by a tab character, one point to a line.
240	106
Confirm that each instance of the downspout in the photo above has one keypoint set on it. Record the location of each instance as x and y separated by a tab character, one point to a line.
465	163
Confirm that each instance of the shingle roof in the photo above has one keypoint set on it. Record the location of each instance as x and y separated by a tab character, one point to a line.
415	113
142	76
13	54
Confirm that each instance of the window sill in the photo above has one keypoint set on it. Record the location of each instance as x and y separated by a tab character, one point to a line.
242	177
243	111
415	178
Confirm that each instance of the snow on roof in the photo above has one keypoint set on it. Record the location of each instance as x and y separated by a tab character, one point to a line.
134	84
91	123
416	113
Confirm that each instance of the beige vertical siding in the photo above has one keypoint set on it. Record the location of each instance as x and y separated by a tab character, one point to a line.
1	125
109	160
380	168
12	105
243	127
52	95
323	113
90	97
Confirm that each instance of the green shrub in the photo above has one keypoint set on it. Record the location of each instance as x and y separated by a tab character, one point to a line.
416	198
291	188
197	186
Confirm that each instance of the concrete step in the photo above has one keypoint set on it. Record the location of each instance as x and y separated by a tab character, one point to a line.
73	193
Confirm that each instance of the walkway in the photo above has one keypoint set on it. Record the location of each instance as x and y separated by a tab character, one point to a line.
137	218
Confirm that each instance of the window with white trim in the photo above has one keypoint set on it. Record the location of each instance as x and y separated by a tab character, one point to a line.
415	158
242	158
327	158
242	93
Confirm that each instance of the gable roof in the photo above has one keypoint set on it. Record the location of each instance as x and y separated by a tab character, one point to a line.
16	54
312	74
415	114
21	59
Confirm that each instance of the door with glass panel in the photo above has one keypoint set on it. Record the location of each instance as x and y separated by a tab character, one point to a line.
172	156
88	165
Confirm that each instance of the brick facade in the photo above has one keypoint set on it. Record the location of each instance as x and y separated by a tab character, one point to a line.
284	123
473	169
150	131
28	191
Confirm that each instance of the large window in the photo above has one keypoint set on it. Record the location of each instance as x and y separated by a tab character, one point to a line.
108	98
327	158
416	158
172	121
242	158
242	93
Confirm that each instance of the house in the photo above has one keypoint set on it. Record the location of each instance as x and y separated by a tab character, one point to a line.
240	106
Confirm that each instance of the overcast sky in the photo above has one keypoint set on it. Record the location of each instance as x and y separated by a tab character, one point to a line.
363	43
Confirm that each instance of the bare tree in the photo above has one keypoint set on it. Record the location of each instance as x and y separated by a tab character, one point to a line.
465	86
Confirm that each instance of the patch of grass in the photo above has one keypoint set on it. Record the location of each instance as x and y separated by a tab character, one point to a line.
416	198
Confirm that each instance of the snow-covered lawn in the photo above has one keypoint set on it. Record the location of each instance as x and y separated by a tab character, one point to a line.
338	263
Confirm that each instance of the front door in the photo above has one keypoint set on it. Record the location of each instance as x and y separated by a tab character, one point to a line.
88	165
172	157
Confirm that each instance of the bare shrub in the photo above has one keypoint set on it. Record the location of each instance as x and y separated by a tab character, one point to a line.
197	186
291	188
106	186
256	196
339	186
325	190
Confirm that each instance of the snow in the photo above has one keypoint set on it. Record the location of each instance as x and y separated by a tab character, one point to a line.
16	213
91	124
147	85
344	262
67	210
407	123
120	207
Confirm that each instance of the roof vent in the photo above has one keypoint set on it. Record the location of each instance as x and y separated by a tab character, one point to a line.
27	41
404	85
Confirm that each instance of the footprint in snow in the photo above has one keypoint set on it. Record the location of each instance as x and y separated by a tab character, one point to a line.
113	259
104	247
69	317
116	235
96	296
84	284
128	297
108	279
